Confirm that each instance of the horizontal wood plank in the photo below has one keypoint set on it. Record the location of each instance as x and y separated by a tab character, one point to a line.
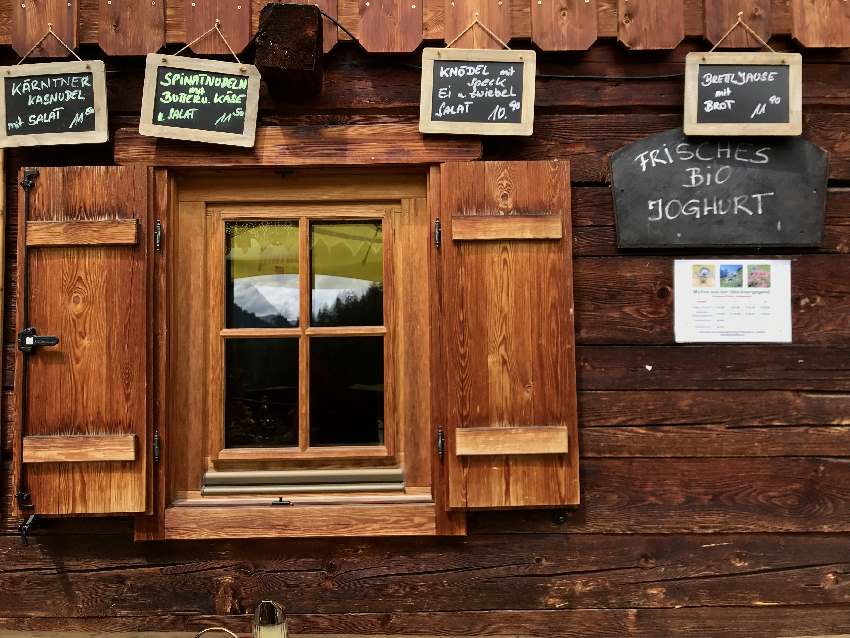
299	521
714	441
511	440
366	145
700	495
115	232
79	448
765	621
713	367
507	227
732	409
533	573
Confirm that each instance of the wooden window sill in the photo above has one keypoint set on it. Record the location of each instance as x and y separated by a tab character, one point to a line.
205	521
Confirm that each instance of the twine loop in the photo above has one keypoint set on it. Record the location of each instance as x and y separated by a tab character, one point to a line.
217	28
484	28
740	23
50	32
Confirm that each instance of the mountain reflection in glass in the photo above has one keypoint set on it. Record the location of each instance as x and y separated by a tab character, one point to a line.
347	278
261	393
261	263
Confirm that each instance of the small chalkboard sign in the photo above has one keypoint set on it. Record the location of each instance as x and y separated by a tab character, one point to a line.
477	92
672	191
743	94
53	103
202	100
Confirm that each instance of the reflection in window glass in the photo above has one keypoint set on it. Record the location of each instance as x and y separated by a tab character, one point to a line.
346	391
262	274
261	393
347	274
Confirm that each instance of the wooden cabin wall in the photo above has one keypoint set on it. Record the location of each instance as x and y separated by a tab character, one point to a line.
715	479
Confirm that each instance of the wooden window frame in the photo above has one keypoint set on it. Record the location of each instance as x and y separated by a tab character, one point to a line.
304	215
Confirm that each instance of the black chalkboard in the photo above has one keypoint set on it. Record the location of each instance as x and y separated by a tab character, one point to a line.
752	93
671	190
743	94
475	91
49	103
53	103
202	100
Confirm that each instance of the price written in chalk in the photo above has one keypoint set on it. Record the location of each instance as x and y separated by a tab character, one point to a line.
477	91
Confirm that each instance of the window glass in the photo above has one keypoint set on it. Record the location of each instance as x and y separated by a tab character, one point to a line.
261	263
261	393
347	274
346	391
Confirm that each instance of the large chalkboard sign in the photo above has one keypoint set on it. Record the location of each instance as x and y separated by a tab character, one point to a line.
743	94
53	103
671	191
202	100
477	92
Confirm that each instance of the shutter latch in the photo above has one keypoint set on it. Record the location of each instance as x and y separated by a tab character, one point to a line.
441	443
438	232
29	340
157	235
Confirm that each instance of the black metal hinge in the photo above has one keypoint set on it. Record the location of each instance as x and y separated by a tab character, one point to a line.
29	178
441	443
438	232
23	499
157	235
156	446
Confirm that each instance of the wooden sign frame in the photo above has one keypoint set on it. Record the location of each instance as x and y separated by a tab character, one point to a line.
528	59
794	62
101	115
147	126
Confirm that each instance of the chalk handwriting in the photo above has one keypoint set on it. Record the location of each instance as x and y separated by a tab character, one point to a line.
189	98
751	93
49	103
477	92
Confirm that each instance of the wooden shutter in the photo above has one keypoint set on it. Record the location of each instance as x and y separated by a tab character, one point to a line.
507	332
83	277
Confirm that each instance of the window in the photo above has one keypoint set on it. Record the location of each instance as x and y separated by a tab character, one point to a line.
301	349
303	336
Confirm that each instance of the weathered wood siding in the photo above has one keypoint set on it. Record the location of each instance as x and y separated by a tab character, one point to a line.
715	480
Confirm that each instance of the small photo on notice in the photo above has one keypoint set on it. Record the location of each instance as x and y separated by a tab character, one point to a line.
758	276
704	276
731	276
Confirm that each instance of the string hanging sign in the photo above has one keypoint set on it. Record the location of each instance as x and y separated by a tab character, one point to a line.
729	93
198	99
477	91
53	102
